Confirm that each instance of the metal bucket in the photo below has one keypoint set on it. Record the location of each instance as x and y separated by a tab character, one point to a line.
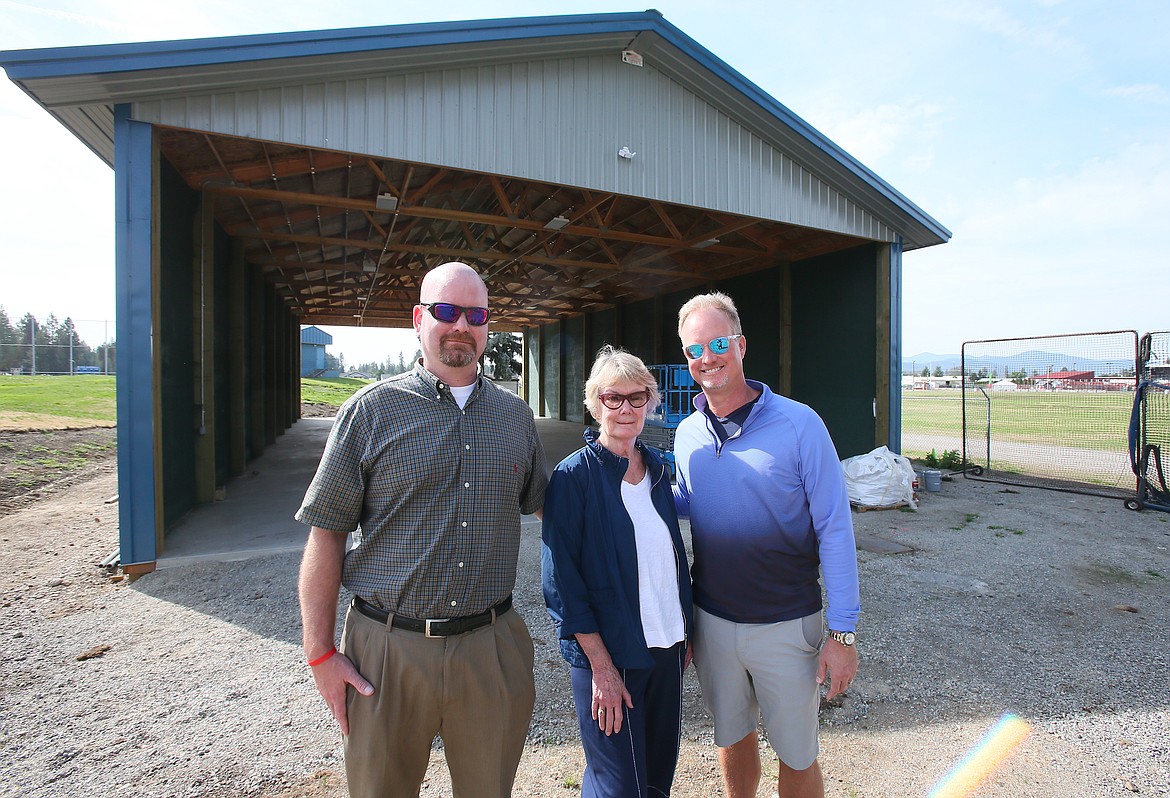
933	479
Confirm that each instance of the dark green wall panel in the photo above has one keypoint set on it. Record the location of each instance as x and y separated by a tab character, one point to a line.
550	369
757	298
180	418
638	329
223	418
834	310
576	360
670	350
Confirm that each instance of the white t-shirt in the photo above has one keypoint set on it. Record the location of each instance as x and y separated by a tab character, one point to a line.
662	617
462	393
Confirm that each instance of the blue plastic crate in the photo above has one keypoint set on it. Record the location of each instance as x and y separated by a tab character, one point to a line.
678	391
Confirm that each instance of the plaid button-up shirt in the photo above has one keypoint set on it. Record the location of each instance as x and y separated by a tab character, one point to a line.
436	491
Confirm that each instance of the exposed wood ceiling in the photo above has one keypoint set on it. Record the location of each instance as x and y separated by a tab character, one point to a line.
310	221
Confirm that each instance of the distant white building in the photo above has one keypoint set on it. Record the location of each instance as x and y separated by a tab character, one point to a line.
918	383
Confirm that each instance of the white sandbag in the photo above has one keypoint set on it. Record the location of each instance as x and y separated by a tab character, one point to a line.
879	479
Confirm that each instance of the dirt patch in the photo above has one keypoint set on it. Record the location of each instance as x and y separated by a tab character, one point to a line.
11	420
36	463
317	410
41	454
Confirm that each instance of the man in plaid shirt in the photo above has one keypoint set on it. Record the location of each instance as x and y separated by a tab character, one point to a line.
430	471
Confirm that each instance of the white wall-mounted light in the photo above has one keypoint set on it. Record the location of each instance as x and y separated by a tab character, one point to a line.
627	153
632	58
386	202
556	223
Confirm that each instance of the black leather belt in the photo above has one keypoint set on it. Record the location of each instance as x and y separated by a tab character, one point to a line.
434	627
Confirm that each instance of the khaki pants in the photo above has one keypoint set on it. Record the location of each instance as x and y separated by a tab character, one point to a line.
474	690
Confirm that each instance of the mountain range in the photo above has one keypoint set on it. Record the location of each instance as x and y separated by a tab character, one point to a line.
1036	360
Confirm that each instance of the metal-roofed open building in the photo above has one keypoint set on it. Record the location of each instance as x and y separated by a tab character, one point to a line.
598	170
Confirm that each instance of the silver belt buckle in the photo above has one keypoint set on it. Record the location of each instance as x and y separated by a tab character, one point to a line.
434	620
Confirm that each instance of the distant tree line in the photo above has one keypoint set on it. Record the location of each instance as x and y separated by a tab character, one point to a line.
387	368
501	360
49	347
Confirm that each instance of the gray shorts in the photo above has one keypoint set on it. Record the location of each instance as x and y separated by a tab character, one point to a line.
749	669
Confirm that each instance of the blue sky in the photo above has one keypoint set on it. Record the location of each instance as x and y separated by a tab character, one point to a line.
1037	132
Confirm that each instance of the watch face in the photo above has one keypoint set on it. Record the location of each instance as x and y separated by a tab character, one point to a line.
844	638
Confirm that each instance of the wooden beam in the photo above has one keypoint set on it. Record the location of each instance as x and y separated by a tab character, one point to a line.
257	170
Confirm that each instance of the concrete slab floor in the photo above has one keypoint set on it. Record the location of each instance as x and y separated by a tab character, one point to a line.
255	517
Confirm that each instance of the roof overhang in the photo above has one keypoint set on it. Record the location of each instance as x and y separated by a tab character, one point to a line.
345	233
81	85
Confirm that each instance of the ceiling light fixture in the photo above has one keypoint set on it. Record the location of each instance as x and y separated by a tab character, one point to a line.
704	244
386	202
556	223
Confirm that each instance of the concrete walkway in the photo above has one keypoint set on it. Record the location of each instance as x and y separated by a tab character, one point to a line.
256	516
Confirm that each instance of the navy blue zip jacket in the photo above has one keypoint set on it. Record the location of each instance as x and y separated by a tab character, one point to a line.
589	560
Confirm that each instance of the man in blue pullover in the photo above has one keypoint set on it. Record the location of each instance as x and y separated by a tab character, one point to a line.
760	479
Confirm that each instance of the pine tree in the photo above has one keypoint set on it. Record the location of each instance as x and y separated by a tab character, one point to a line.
501	352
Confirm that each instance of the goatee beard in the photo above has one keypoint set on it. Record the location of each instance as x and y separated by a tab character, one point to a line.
457	357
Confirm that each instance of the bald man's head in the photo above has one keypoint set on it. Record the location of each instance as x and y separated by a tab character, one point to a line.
451	350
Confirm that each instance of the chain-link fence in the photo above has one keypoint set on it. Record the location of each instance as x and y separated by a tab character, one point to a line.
932	423
75	347
1050	411
1149	434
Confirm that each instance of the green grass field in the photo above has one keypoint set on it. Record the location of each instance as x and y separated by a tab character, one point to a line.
84	397
330	391
1081	420
28	401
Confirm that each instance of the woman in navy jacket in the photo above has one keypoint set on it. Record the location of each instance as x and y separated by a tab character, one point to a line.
618	588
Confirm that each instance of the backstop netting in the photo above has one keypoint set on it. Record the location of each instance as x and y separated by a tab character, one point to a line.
1052	411
1151	451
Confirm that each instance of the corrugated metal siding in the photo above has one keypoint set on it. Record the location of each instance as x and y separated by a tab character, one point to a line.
315	335
556	120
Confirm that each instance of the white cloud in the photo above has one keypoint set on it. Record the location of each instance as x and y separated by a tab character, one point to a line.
1071	252
998	21
36	13
1148	92
56	217
902	132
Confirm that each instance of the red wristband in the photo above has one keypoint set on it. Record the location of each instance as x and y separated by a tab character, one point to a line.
313	663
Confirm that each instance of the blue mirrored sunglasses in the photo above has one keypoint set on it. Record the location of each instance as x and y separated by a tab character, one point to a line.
718	346
449	314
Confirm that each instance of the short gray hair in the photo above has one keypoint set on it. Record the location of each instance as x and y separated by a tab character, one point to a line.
716	300
612	366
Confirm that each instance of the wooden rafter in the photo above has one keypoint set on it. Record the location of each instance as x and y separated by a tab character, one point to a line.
309	220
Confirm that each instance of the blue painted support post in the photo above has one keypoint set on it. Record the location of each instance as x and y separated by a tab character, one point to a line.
895	426
133	219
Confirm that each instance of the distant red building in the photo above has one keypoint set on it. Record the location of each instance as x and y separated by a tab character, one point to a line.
1065	379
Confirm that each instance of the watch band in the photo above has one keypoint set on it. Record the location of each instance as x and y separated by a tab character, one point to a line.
846	639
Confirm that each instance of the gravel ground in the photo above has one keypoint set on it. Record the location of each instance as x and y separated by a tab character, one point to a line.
189	682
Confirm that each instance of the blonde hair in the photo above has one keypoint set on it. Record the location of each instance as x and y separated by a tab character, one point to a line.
716	300
613	366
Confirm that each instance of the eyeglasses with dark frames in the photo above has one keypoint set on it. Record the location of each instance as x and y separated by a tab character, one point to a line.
614	400
718	346
449	314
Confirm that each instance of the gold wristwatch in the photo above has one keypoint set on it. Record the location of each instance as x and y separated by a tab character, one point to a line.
846	639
